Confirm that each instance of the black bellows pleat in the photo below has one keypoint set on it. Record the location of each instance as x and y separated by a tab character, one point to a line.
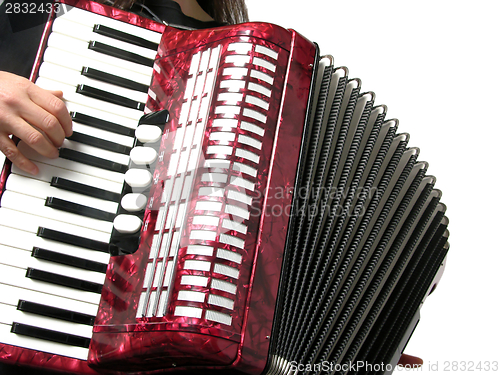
366	237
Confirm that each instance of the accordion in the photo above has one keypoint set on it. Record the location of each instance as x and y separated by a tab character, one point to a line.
251	210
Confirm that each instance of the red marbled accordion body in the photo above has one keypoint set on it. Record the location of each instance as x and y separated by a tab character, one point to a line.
201	292
123	340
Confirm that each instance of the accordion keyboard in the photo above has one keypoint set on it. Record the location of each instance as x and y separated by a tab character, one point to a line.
55	227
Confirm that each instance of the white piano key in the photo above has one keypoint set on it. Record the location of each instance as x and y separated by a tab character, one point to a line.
27	241
71	165
15	276
143	155
103	134
96	151
40	345
11	314
69	94
36	206
96	112
11	295
127	223
74	78
31	223
46	172
148	133
87	18
86	33
80	48
134	202
23	259
41	189
77	62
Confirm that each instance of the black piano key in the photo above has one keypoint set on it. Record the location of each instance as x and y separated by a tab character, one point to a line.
70	239
102	124
91	191
78	209
49	335
70	282
119	53
68	260
155	118
100	143
124	37
122	244
92	92
55	312
93	161
113	79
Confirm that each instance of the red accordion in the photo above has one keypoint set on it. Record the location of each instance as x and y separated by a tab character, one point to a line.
265	216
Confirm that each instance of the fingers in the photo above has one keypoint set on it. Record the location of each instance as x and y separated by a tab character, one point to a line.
8	147
36	139
56	116
410	361
37	116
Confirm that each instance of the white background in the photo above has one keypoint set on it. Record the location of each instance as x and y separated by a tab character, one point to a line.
435	64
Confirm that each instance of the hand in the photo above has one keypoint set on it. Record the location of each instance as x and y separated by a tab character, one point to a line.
36	116
410	361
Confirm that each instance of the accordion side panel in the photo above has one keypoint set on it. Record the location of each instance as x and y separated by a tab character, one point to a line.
201	289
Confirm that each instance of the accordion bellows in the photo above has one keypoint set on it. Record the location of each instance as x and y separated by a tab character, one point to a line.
289	227
369	236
